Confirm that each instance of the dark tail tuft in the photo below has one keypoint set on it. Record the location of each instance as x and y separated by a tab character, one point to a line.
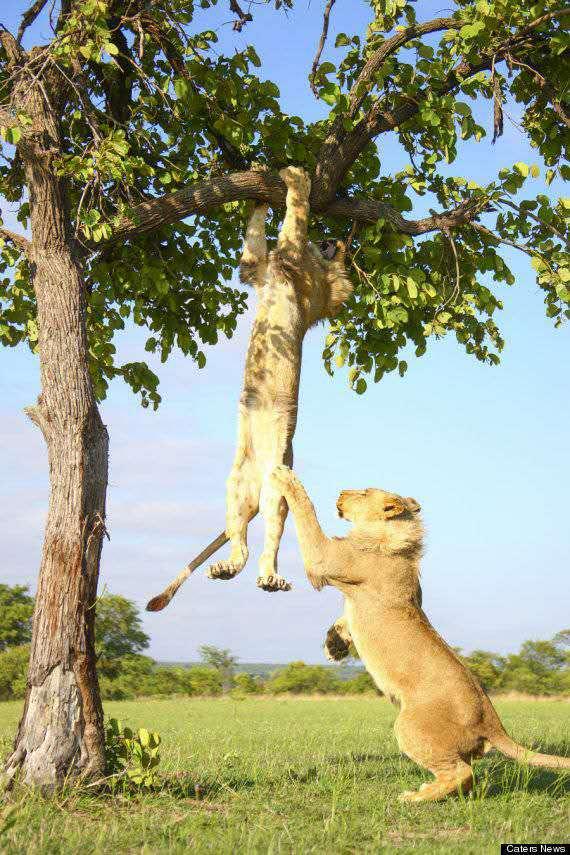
158	603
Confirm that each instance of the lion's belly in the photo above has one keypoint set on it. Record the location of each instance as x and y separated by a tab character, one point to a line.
369	646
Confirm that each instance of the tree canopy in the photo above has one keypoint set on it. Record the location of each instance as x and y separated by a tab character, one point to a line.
16	608
160	134
118	630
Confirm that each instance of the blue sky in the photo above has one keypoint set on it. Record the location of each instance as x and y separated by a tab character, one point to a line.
485	450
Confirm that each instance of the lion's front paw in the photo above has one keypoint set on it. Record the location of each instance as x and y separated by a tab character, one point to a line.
337	644
224	570
297	179
273	583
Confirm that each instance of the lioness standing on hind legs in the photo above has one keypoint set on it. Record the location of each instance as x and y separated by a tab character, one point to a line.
297	285
446	719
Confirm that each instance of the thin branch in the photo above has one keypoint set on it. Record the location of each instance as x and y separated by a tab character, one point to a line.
320	48
340	150
18	240
29	17
390	46
243	18
548	90
532	216
520	246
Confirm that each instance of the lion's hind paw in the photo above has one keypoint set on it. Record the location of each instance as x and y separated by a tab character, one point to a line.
273	583
296	178
224	570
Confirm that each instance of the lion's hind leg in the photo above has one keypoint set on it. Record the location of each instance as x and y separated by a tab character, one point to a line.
457	778
432	742
242	502
274	509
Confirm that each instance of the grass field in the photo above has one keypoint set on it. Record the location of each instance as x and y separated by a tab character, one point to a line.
301	776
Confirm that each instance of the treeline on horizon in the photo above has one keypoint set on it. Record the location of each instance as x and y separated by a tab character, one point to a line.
539	668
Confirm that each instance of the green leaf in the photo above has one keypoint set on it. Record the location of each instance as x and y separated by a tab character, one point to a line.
521	168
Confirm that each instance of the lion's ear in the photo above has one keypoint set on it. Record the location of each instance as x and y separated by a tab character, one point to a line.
394	508
413	505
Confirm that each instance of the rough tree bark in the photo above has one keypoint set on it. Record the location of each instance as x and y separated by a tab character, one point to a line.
61	730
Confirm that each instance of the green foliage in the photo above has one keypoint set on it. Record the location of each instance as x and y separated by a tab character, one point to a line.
16	609
158	107
118	631
247	684
13	672
132	756
304	775
360	685
221	660
299	678
539	668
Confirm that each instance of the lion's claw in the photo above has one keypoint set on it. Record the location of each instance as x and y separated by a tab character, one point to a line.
273	583
223	570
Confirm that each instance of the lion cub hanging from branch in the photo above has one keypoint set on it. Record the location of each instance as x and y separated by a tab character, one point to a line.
445	718
297	285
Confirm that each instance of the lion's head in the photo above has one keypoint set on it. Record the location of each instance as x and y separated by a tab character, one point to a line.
389	520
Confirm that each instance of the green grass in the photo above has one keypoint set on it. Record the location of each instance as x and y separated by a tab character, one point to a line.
299	776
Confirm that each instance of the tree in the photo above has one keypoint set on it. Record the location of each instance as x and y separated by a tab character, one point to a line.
487	667
222	661
118	632
16	607
127	122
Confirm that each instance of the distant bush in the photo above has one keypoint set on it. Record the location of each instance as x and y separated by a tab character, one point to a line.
299	678
13	672
247	684
139	676
359	685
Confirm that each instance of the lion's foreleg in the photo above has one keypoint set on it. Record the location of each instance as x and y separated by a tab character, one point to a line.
292	238
338	640
312	540
253	262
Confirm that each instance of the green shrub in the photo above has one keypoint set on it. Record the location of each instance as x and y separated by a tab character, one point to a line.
247	684
13	672
132	757
299	678
359	685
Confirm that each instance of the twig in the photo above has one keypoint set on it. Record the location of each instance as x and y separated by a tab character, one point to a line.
541	81
530	214
322	42
243	17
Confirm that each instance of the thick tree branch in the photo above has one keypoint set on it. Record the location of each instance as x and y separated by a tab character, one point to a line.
18	240
29	17
203	196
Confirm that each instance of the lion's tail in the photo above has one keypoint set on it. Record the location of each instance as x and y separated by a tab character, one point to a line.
162	600
504	743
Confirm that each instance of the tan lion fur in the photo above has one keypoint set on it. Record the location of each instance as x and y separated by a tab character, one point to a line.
445	718
296	287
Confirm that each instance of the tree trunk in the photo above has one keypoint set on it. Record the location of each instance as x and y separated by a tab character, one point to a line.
61	730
